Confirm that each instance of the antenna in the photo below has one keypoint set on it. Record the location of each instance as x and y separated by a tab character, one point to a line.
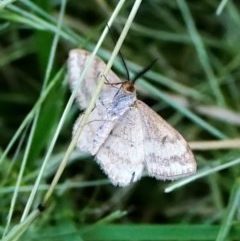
144	70
120	54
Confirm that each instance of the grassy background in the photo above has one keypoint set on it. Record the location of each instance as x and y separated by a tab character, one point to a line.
194	85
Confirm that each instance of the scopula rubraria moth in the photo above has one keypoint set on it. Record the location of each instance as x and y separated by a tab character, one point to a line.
123	133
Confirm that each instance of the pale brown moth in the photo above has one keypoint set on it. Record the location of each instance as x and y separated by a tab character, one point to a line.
125	135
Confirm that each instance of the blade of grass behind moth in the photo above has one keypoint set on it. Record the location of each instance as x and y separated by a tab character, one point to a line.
201	51
221	7
30	115
158	78
68	33
211	129
46	79
32	133
34	21
3	3
17	231
215	145
231	210
16	189
5	175
202	173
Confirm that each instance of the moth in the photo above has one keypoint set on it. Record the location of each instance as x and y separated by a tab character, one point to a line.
125	135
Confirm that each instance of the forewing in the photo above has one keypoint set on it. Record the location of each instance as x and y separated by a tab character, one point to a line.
76	63
166	153
121	156
94	132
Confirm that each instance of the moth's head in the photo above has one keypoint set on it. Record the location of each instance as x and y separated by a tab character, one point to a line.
128	87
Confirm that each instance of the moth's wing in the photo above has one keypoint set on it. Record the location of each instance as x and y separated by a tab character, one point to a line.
94	132
167	154
76	63
121	156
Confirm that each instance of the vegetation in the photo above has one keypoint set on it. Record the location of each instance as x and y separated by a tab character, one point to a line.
194	85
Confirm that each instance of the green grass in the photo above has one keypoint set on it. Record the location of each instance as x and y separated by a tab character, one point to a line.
196	44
